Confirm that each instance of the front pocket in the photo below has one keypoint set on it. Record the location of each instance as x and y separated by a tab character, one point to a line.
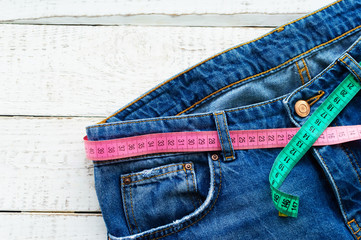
158	196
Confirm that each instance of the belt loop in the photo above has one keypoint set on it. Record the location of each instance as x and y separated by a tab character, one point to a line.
224	137
352	65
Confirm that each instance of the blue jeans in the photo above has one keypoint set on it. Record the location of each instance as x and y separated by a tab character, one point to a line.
226	194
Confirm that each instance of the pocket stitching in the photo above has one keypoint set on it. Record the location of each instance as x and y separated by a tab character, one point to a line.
154	169
194	205
131	204
205	214
156	176
195	189
126	210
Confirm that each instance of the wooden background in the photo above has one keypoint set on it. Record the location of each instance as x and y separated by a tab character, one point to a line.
68	64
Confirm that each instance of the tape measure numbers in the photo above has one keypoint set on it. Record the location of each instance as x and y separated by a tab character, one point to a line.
208	141
303	140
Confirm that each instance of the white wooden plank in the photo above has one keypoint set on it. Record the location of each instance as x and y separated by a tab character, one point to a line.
43	165
92	71
17	9
21	226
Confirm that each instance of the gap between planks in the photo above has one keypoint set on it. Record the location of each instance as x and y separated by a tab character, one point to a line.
185	20
68	213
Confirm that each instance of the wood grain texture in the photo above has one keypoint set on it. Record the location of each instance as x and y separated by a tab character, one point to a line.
43	165
92	71
155	13
17	9
21	226
72	75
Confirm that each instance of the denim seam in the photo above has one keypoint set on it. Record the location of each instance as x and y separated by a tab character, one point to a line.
348	156
214	184
353	156
300	73
220	132
188	189
357	64
157	175
307	71
344	149
131	204
350	68
141	157
229	139
227	50
234	83
353	231
172	165
338	190
257	105
313	80
195	188
315	98
149	120
272	69
126	211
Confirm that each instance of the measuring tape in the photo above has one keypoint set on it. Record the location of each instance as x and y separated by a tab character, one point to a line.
208	141
296	142
302	141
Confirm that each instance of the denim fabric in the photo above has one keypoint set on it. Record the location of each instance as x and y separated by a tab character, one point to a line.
226	194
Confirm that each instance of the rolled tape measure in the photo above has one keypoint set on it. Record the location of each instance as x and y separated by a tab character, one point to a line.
302	141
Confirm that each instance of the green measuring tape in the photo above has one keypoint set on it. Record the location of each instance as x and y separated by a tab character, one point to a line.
303	140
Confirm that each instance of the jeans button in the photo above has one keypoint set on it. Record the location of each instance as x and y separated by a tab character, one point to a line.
302	108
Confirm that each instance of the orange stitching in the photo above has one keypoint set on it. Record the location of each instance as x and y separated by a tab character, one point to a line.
242	44
131	204
300	73
157	175
188	188
126	211
315	98
258	105
338	190
305	66
149	120
214	184
351	69
194	186
349	223
155	169
220	131
219	190
353	157
309	82
274	68
343	149
357	64
229	139
256	75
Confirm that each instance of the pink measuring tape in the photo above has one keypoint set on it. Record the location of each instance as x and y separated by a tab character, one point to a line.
208	141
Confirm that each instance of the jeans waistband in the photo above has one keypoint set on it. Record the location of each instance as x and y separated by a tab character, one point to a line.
280	53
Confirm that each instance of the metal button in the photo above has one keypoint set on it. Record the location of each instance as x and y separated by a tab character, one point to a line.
127	180
214	157
302	108
188	166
